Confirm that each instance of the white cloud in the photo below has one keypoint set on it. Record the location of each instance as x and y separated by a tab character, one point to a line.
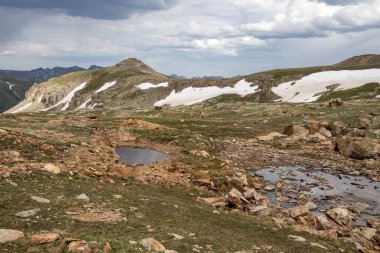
195	32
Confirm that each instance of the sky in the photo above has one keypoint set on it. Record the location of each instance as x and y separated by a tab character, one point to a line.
187	37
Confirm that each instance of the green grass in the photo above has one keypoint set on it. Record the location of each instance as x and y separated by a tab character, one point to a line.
165	209
102	76
365	90
62	80
278	73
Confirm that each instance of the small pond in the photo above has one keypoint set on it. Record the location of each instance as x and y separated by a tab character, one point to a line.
132	156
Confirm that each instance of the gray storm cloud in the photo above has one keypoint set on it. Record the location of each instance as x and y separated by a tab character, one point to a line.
215	37
97	9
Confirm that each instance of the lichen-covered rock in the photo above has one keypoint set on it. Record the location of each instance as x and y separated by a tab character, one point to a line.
296	130
9	235
44	238
153	245
337	128
357	148
341	216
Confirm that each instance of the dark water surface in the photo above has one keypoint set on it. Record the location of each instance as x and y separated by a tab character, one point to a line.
131	156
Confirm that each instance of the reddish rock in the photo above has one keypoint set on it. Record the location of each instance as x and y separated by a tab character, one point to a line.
44	238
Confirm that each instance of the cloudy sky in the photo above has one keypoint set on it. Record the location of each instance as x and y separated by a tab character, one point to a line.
187	37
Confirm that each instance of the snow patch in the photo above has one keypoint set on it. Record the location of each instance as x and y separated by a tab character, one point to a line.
67	100
147	86
93	106
309	88
22	108
192	95
105	86
83	106
10	85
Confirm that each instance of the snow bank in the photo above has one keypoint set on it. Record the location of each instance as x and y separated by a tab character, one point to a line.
93	106
105	86
192	95
22	108
308	88
147	86
67	100
83	106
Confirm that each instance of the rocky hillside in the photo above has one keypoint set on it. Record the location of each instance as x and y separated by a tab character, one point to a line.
15	83
132	83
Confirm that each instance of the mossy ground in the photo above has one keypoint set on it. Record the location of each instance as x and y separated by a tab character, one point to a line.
165	209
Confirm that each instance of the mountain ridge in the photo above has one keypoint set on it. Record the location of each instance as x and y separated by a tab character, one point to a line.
22	80
122	82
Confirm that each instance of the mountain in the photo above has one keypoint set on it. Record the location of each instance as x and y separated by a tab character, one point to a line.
14	83
42	74
132	84
12	90
195	77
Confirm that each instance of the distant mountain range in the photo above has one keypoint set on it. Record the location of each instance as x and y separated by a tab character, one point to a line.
14	83
133	84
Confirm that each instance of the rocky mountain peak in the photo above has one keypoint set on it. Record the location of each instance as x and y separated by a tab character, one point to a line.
133	64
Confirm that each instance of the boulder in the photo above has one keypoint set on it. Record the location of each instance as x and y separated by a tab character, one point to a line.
368	233
313	126
357	148
49	167
9	235
78	246
201	153
236	198
269	137
259	210
335	102
12	154
361	123
217	202
356	132
107	247
322	223
299	211
341	216
44	238
40	200
251	193
241	180
297	238
337	128
296	130
325	132
82	197
374	223
153	245
316	138
28	213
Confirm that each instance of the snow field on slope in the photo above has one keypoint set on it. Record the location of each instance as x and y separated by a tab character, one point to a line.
308	88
